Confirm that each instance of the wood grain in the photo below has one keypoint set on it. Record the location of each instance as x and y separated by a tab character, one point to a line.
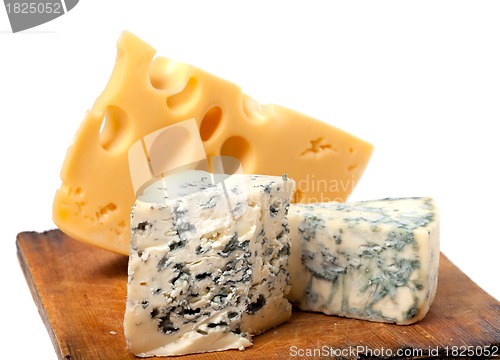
80	292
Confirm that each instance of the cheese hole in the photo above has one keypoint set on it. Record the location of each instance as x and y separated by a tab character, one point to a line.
297	196
225	165
114	132
240	148
254	110
184	100
210	122
167	74
172	149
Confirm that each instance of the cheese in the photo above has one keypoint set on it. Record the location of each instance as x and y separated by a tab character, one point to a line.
371	260
146	93
207	266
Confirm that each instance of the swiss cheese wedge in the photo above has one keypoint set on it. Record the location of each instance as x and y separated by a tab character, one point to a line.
146	93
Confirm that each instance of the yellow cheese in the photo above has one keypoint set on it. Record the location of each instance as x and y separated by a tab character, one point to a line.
146	93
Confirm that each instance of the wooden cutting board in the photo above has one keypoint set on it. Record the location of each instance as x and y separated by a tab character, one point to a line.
80	292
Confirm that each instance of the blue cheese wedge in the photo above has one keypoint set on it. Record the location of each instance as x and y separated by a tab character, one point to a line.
371	260
207	266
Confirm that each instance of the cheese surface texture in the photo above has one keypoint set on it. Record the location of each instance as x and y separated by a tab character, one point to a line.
148	92
207	266
372	260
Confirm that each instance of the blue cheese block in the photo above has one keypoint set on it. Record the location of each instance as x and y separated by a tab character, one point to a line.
207	266
371	260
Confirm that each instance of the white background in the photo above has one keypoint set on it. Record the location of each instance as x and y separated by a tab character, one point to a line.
420	80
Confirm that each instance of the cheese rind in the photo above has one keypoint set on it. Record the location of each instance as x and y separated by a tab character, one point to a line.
146	93
372	260
207	266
